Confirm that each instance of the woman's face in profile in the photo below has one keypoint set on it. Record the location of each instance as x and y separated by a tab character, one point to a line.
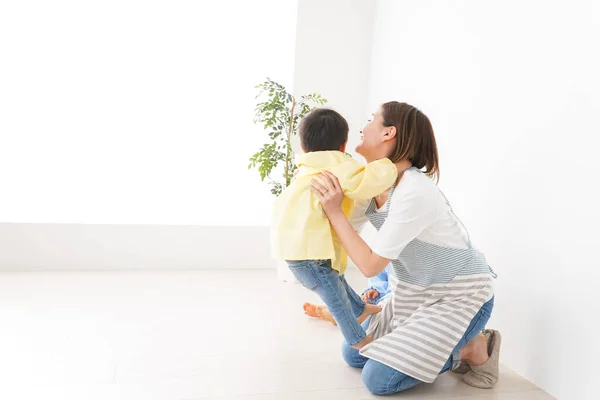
370	134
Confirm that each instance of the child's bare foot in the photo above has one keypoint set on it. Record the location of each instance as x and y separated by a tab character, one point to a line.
310	309
370	309
321	312
363	343
324	314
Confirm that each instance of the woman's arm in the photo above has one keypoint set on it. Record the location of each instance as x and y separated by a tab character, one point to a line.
331	196
411	211
369	263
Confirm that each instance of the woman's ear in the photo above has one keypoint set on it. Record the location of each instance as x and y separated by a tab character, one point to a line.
389	133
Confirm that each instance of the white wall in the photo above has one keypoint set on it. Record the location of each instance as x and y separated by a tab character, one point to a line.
513	92
333	48
333	57
126	129
137	112
110	247
128	177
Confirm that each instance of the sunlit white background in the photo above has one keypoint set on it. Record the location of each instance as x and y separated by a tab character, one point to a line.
137	111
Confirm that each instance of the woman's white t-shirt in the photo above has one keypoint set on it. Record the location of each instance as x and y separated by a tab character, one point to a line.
417	209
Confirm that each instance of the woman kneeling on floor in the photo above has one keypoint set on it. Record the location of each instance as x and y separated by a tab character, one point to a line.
441	286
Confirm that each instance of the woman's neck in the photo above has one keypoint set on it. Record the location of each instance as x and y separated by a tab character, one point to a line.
381	154
381	199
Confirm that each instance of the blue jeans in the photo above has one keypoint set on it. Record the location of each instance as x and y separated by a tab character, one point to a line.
383	380
343	302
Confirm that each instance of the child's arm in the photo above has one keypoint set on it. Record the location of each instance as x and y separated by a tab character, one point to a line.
361	182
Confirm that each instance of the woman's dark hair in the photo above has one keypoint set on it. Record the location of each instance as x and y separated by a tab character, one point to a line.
415	140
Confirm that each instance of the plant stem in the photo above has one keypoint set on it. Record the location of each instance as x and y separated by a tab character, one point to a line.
289	147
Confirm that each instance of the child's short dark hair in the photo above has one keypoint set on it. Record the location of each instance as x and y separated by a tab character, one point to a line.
322	130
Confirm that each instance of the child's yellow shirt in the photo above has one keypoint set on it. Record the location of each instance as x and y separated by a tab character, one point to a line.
301	230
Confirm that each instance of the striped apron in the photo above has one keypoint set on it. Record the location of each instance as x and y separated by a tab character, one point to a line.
436	292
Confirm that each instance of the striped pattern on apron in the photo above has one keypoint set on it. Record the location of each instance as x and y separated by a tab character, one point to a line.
436	292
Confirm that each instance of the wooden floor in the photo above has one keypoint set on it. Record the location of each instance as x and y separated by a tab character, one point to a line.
183	335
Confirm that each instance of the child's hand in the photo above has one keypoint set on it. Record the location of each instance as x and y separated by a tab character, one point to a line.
370	294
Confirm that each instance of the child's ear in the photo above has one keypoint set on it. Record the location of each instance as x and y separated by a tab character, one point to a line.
343	148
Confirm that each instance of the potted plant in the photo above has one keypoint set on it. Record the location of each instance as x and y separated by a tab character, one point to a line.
279	113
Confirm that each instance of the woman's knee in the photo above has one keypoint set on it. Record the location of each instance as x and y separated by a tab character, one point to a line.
352	356
377	376
382	380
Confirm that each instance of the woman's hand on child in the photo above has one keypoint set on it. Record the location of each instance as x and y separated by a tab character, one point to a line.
328	191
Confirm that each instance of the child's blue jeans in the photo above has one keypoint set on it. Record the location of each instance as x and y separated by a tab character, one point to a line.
343	302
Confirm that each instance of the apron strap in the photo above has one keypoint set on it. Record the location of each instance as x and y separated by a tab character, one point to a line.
456	216
494	274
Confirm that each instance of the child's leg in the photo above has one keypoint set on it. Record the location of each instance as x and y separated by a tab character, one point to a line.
360	309
352	355
358	305
319	277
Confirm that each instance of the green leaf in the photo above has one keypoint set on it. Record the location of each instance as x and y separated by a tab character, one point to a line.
273	111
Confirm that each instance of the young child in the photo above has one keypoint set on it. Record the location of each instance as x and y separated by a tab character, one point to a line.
377	292
301	233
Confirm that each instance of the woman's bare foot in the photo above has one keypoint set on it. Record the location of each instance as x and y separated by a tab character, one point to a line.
476	351
363	343
318	311
370	309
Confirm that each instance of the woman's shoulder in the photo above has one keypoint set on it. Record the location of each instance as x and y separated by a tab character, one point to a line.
416	181
416	189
